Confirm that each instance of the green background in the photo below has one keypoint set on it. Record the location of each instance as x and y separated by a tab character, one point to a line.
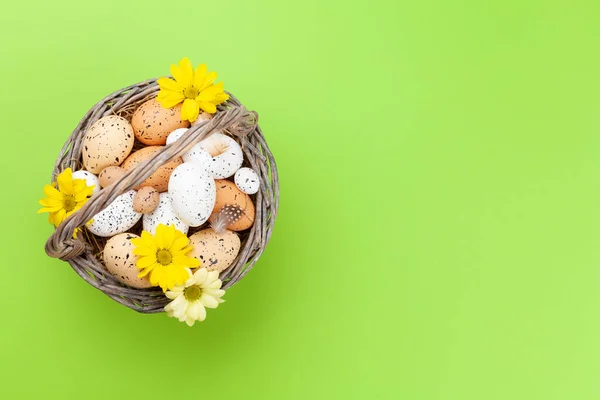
439	222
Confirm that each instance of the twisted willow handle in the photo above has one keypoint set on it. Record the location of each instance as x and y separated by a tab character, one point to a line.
237	120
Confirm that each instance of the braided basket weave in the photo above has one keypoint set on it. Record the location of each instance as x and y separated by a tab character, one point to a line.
84	254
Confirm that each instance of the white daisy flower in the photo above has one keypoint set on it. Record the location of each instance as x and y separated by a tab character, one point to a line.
203	289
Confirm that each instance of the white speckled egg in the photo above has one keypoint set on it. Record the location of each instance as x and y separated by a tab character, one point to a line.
226	155
198	155
118	217
89	178
193	193
246	179
163	214
120	261
175	135
107	142
216	251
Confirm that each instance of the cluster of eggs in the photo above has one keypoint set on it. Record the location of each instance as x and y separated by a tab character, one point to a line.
186	192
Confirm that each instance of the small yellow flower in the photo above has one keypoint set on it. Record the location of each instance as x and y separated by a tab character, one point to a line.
70	196
195	89
203	289
164	256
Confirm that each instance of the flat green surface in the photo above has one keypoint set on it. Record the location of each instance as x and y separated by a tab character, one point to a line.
438	232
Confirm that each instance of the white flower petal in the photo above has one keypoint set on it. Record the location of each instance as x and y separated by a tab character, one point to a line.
208	301
190	281
214	292
211	285
181	307
192	311
200	275
201	312
213	276
173	294
190	321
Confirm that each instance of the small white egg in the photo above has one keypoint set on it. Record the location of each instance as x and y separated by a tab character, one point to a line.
163	214
246	179
90	179
118	217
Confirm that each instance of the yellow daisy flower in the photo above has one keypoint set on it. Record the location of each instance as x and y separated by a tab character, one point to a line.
64	197
195	89
164	256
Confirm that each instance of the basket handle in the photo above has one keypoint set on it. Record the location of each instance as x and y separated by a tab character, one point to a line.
236	120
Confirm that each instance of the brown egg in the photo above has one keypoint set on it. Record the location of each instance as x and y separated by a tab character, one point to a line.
120	261
145	200
152	123
107	142
216	251
110	175
159	179
229	195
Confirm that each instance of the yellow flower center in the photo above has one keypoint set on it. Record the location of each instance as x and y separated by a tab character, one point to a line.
69	202
192	293
191	92
164	256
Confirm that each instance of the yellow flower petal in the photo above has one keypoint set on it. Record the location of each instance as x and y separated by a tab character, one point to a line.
51	192
200	76
190	110
208	107
65	181
50	202
59	217
170	99
220	98
168	84
168	236
143	251
184	73
210	78
145	272
145	262
186	261
179	243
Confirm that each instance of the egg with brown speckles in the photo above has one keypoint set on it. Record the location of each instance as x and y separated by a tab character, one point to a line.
110	175
216	251
152	123
228	194
160	178
120	261
145	200
107	142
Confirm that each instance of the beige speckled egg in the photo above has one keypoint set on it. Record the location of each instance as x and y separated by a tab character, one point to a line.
145	200
229	194
152	123
110	175
159	179
120	261
216	251
107	142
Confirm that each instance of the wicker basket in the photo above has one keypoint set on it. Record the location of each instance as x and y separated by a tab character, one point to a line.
84	254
